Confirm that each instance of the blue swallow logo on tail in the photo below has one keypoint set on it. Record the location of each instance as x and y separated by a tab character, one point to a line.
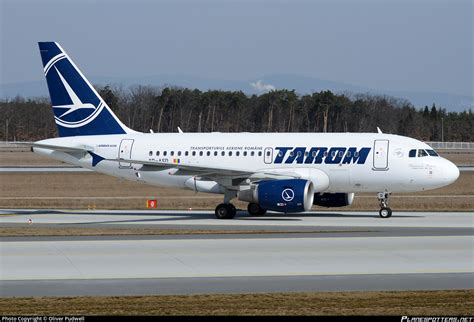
78	108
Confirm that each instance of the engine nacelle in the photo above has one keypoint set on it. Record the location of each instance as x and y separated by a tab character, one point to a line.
333	199
292	195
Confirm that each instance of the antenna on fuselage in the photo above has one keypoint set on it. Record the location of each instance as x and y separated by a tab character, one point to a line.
379	131
179	130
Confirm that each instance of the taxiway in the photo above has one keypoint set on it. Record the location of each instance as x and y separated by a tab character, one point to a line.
317	251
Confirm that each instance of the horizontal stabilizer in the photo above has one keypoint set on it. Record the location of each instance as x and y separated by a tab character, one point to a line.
57	147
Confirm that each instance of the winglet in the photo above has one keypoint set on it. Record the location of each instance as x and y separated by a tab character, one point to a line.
95	158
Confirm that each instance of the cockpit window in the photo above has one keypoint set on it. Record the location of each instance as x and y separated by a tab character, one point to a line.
432	153
412	153
422	153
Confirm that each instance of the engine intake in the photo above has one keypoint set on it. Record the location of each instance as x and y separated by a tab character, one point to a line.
333	199
292	195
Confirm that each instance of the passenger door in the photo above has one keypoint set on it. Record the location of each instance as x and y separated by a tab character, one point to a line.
125	152
381	154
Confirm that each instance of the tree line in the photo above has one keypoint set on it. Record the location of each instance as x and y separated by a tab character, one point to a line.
146	108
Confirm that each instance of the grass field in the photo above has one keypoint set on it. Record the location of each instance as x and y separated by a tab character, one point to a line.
54	190
341	303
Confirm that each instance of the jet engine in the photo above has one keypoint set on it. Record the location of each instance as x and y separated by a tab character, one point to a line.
291	195
333	199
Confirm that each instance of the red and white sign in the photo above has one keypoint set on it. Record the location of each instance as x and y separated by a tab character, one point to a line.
151	203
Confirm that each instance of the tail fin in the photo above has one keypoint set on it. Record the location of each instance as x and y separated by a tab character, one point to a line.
78	109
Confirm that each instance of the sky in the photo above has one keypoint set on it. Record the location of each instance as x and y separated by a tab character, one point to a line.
411	45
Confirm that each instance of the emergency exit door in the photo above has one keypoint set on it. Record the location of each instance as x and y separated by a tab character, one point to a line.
381	154
268	155
125	152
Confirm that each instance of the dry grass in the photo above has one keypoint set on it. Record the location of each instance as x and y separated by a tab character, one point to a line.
25	157
459	157
25	230
340	303
53	190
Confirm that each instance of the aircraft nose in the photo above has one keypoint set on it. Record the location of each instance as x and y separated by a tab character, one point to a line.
451	172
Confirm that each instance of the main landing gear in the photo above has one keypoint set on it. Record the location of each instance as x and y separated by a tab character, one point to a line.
385	211
225	211
254	209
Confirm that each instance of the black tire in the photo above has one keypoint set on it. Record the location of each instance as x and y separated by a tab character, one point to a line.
254	209
225	211
385	212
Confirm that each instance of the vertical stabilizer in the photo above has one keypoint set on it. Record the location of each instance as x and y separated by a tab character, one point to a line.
78	109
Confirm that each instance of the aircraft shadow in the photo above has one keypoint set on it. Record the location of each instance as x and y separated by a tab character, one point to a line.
242	215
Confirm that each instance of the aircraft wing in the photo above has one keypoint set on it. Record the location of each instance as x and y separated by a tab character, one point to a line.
211	172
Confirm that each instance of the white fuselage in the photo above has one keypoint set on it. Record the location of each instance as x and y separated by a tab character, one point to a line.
323	158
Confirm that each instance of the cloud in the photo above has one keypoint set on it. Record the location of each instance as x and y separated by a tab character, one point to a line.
259	86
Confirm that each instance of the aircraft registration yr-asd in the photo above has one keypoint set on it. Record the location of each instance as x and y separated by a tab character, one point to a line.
282	172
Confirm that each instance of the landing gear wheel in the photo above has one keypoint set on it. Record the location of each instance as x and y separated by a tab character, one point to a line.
225	211
385	212
254	209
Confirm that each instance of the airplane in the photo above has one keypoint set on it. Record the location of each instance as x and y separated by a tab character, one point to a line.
280	172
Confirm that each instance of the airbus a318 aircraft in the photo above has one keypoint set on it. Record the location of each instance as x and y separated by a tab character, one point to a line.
282	172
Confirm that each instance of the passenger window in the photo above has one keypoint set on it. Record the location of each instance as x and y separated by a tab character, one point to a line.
341	154
333	154
157	153
291	154
237	153
259	153
348	154
164	153
223	153
325	154
298	154
230	153
412	154
201	153
179	153
151	153
314	154
186	153
245	153
215	153
356	154
172	153
268	153
306	153
422	153
208	153
252	153
194	153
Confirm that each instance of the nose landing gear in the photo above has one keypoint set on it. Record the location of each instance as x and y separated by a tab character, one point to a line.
385	211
